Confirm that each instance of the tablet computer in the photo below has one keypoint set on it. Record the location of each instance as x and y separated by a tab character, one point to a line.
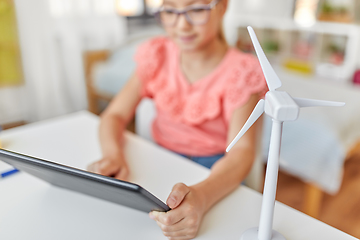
99	186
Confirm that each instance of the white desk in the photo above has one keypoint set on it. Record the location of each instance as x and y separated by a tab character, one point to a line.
33	209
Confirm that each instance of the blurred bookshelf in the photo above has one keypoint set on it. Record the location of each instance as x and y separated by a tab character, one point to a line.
327	50
345	11
320	42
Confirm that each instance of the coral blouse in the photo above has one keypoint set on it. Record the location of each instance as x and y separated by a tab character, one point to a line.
193	119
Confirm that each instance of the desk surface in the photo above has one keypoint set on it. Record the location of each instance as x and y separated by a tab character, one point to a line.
33	209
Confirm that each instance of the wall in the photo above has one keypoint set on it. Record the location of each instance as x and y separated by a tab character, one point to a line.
12	107
52	44
262	8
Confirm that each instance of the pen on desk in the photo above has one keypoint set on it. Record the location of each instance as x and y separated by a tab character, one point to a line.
8	173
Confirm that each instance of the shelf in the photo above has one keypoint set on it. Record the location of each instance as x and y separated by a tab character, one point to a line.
323	62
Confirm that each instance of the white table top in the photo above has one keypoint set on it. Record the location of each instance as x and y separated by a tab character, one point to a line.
33	209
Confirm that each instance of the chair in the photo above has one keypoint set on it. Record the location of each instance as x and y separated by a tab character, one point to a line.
106	71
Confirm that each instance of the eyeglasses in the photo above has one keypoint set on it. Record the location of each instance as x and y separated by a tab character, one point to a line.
195	14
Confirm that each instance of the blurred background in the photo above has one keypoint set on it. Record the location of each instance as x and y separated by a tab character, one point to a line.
63	56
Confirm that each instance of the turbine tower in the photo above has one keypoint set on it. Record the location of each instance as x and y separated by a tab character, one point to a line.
281	107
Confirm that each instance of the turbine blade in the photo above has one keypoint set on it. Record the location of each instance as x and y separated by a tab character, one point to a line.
258	110
272	79
304	102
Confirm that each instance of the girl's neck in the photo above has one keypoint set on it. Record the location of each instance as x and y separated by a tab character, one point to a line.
214	50
198	64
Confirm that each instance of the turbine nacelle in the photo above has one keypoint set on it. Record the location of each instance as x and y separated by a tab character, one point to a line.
281	106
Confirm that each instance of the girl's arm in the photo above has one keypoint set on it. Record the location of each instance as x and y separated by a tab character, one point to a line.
232	169
113	122
189	204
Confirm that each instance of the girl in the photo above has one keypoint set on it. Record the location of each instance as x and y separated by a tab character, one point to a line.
204	92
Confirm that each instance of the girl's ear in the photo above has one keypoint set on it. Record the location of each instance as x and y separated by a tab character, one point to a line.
223	6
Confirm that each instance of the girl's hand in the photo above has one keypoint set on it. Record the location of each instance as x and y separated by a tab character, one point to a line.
113	166
183	221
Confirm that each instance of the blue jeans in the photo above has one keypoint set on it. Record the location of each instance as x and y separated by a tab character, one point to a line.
205	161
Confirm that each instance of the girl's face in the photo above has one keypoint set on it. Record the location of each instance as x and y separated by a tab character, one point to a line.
199	27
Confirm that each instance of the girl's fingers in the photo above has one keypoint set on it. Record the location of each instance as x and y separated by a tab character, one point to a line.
183	221
182	234
181	238
181	230
106	167
186	228
123	174
180	226
177	195
169	219
103	167
94	167
90	167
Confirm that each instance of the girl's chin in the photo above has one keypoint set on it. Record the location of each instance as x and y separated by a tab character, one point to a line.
188	46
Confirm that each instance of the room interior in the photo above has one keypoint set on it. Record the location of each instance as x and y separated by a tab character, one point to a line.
63	56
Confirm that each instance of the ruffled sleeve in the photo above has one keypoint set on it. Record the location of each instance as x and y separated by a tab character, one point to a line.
246	79
149	57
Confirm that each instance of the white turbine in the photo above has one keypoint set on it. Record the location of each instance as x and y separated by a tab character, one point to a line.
280	106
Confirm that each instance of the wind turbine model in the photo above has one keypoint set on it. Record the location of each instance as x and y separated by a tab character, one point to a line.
280	106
